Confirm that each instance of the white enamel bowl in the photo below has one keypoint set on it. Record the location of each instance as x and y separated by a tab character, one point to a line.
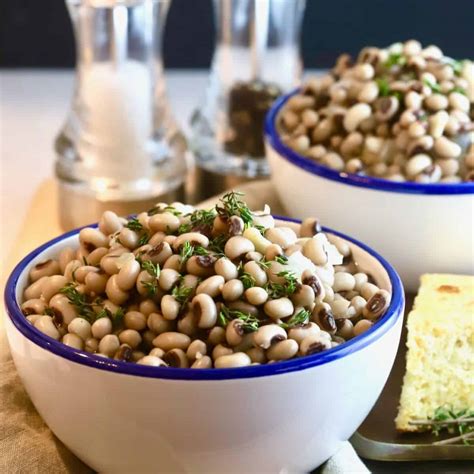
120	417
419	228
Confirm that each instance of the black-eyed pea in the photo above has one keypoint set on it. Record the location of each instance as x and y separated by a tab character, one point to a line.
96	256
91	238
298	333
34	290
46	268
81	327
323	316
211	286
310	227
343	282
135	320
91	345
459	101
446	148
282	236
244	307
216	336
114	292
170	307
124	352
267	335
32	318
33	306
147	307
253	256
174	262
111	307
345	328
226	268
246	343
221	350
195	238
159	254
81	273
360	279
152	361
238	359
128	274
300	102
51	286
168	278
355	115
437	102
368	93
129	238
256	272
256	296
65	256
303	296
279	308
147	338
187	324
358	303
449	167
96	282
172	340
176	358
314	250
158	324
417	164
340	308
156	239
201	265
101	327
232	290
157	352
237	246
46	326
367	290
234	332
164	222
196	350
257	354
312	344
235	225
314	282
283	350
290	119
309	118
204	362
205	311
362	326
110	223
272	251
62	308
376	305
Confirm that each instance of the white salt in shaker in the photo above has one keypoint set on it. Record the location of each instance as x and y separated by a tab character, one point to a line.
120	148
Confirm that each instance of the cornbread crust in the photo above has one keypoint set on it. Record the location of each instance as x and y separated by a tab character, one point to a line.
440	357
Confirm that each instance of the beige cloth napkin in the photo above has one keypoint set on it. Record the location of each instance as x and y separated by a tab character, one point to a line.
26	443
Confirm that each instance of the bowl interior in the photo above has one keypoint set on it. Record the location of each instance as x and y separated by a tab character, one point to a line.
368	260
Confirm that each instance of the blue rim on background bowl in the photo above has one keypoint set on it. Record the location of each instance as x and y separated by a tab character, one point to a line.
273	138
393	312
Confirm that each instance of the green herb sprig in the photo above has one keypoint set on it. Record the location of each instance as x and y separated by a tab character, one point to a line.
395	59
250	323
152	269
182	294
247	280
134	224
299	318
433	86
279	290
79	301
445	418
232	205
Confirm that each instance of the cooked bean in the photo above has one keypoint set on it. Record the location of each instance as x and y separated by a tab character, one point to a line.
62	308
128	238
90	239
283	350
65	256
114	292
279	308
157	352
168	278
194	238
226	269
33	306
174	262
340	308
313	344
221	350
101	327
201	266
176	358
257	355
362	326
367	290
125	353
165	222
211	286
267	335
273	251
360	279
323	316
152	361
110	223
377	305
446	148
45	325
205	310
282	236
170	307
256	296
46	268
135	320
358	303
95	282
232	290
74	341
216	336
204	362
91	345
256	272
344	328
239	359
172	340
80	327
158	324
314	250
196	349
343	282
238	246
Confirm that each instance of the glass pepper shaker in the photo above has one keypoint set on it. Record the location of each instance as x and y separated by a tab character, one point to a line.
120	148
256	59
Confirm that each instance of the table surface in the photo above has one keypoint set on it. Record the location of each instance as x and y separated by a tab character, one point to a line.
33	106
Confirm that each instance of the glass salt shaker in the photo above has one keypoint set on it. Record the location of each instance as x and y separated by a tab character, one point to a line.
120	148
256	59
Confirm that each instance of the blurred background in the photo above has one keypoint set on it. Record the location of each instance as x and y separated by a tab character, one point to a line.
38	33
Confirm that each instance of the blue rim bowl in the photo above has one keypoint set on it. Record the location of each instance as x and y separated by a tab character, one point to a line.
273	138
394	311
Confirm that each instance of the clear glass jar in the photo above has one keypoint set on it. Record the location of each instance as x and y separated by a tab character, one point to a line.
119	148
256	59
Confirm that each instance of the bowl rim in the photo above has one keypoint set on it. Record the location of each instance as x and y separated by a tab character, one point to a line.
369	182
393	313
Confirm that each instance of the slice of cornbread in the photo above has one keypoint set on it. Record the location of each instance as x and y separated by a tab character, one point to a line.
440	358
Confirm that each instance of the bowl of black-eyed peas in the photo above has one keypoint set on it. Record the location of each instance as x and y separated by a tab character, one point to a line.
178	333
382	147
